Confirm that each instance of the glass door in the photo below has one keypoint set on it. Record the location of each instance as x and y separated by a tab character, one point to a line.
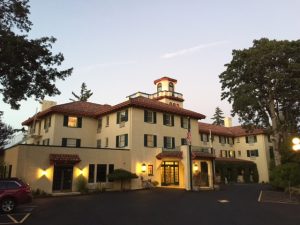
62	178
169	173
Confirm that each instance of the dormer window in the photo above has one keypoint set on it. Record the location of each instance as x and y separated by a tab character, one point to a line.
159	87
171	87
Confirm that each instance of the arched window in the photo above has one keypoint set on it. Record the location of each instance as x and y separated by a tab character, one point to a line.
159	87
171	87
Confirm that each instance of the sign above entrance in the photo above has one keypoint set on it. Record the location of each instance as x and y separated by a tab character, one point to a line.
60	159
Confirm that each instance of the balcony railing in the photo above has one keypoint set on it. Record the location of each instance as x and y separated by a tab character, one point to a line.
157	95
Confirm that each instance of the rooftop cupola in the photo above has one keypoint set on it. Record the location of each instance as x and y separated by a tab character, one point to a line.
165	87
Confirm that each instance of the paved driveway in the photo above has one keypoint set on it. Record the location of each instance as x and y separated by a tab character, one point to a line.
236	205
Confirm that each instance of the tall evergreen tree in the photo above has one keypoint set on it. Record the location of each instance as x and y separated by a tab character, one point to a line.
6	133
28	68
263	85
85	94
218	118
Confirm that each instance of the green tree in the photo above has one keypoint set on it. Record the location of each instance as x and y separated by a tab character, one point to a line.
263	85
85	94
218	118
122	176
6	133
27	66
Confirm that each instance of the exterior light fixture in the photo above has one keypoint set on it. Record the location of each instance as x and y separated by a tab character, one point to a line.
143	167
195	167
296	144
44	172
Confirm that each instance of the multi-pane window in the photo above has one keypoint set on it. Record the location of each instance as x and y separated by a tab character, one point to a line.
72	121
99	125
223	153
150	170
150	140
46	141
204	137
184	122
47	123
149	116
106	142
122	116
171	86
159	87
237	140
252	153
183	141
122	141
169	142
231	154
107	121
91	178
222	139
111	168
101	173
230	140
251	139
168	119
71	142
99	143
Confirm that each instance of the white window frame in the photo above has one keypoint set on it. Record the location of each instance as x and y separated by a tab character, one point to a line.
150	119
185	122
169	143
122	141
106	142
69	142
168	119
150	143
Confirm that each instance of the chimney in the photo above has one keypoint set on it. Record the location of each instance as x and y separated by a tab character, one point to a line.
227	122
47	104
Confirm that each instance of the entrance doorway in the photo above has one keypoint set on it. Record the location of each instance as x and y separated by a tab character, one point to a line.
169	173
62	178
204	182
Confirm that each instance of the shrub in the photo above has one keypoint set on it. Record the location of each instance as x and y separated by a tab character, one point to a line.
281	175
121	175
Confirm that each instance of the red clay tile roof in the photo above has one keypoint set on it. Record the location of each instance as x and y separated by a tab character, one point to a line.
165	78
146	103
232	160
169	154
202	155
235	131
64	158
74	108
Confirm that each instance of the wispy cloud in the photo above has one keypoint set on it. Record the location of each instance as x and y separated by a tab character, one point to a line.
191	50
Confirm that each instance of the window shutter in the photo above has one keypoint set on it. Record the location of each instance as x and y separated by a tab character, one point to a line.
145	115
155	140
126	115
78	142
219	139
226	154
181	122
49	125
227	140
117	141
118	117
154	117
255	138
233	154
201	136
126	139
79	120
173	142
248	153
165	142
164	119
182	141
145	140
65	121
172	118
256	152
64	142
246	139
232	140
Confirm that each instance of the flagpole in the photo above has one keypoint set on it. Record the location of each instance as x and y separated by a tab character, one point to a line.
190	155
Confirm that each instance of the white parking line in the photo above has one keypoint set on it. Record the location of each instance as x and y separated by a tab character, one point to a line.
25	217
259	198
12	219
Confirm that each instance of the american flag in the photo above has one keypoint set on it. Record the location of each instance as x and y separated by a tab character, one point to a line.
189	137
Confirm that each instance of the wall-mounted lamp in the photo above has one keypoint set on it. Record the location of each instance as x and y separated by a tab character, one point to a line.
80	172
296	144
195	167
143	167
44	172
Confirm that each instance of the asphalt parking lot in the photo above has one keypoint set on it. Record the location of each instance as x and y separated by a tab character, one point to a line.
235	205
19	216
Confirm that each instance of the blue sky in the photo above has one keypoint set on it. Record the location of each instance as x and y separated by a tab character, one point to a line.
119	47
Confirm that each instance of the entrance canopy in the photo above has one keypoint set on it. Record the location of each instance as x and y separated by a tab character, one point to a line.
202	155
169	154
63	159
